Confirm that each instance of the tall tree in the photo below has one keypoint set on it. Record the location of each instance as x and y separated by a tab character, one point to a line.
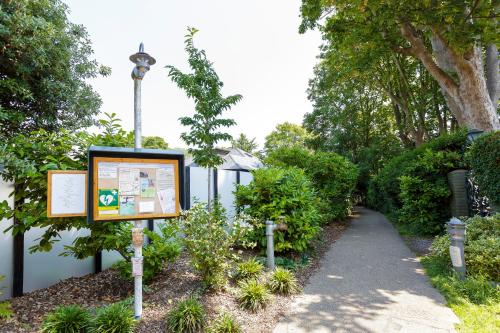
287	135
204	87
154	142
44	66
243	142
450	39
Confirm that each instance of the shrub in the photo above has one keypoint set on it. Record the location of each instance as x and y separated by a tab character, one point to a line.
225	323
332	175
282	281
165	247
115	318
208	243
482	247
412	188
276	192
425	195
5	311
188	316
484	159
249	269
67	319
253	295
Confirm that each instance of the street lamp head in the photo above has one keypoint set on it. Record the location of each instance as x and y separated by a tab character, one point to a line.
142	62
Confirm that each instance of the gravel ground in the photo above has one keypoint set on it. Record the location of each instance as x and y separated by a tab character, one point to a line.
419	245
176	282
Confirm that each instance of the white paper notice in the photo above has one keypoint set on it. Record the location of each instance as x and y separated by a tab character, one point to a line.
136	266
68	193
107	170
146	206
456	258
129	181
167	200
165	178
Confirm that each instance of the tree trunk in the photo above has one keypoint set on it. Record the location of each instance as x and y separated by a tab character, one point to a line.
467	98
209	198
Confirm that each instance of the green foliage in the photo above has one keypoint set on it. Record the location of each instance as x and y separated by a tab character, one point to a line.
282	281
425	195
484	159
5	310
244	143
249	269
332	175
115	318
482	247
276	192
188	316
67	319
412	187
287	135
45	66
154	142
253	295
204	87
164	248
208	243
225	323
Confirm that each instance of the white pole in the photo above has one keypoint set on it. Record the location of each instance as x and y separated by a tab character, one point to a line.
137	233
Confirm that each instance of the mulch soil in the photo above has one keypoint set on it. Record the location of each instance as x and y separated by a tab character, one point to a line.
175	283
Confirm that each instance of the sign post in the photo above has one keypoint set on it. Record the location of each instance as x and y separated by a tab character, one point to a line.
142	61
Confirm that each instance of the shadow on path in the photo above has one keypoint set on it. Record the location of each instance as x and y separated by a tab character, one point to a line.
369	281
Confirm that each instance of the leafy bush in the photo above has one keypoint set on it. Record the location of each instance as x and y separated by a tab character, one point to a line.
332	175
188	316
249	269
5	311
425	195
412	188
225	323
276	192
482	247
115	318
253	295
67	319
208	243
282	281
484	159
165	247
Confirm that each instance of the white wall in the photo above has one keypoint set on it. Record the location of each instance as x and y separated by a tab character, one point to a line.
199	184
226	185
245	178
6	244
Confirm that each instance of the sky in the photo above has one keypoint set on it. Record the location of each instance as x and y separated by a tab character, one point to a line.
254	45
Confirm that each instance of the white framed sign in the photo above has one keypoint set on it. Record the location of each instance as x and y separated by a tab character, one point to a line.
66	193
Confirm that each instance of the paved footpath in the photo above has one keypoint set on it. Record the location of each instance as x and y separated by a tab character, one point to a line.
369	281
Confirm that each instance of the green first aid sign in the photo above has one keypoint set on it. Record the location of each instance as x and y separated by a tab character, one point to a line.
108	199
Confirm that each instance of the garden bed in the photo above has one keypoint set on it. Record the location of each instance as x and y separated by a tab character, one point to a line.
173	284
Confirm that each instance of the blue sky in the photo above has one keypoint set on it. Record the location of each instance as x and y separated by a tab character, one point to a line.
254	45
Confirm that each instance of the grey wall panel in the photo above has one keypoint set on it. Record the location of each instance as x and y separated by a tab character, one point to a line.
43	269
245	178
227	185
199	185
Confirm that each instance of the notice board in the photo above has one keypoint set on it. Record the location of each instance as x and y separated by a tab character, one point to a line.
130	184
66	193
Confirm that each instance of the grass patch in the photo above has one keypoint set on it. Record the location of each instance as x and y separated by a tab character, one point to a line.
474	300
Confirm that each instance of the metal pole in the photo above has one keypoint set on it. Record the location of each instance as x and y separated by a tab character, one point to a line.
137	230
270	244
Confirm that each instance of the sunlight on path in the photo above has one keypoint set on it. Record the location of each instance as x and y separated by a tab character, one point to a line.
369	281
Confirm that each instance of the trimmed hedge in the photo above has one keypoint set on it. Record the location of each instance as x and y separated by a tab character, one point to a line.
412	188
484	159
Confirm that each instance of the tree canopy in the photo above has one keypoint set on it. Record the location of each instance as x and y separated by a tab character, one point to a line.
45	61
286	135
244	143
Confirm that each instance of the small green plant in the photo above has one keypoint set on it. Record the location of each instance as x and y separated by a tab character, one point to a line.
282	281
188	316
5	310
208	243
225	323
115	318
67	319
250	269
253	295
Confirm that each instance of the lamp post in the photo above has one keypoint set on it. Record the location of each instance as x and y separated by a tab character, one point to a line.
456	231
142	63
473	134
